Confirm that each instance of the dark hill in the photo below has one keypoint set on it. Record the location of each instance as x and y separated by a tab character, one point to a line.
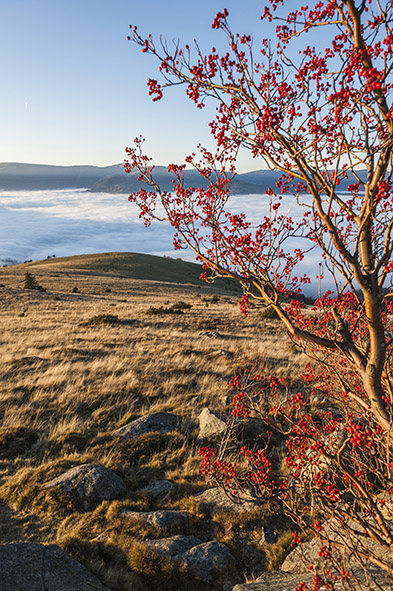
132	265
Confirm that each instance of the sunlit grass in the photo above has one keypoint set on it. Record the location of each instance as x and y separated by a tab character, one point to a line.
67	385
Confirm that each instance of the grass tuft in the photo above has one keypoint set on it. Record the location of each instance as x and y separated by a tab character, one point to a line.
101	319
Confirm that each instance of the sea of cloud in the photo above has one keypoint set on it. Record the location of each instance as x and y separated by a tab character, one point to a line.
38	224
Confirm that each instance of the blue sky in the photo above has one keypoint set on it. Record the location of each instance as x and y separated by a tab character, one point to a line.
74	90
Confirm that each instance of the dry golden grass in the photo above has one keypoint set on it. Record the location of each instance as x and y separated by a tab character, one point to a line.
67	384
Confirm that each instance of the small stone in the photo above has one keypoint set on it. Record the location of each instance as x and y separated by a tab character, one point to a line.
210	425
161	422
222	353
211	335
162	519
306	551
161	489
215	499
173	546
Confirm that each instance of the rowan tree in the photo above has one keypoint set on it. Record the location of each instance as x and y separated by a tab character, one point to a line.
323	118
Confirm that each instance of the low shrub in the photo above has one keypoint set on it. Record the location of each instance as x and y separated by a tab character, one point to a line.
208	324
177	308
213	300
152	311
181	306
101	319
31	282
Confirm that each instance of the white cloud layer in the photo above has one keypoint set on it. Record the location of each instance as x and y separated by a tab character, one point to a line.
37	224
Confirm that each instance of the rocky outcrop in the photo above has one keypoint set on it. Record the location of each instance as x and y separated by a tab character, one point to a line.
35	567
384	503
89	484
161	422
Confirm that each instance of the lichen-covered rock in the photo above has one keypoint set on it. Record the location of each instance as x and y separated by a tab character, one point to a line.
35	567
212	559
305	553
308	552
90	484
210	425
276	581
173	546
162	519
161	422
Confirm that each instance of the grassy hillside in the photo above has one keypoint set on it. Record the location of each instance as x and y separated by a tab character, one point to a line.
89	355
132	265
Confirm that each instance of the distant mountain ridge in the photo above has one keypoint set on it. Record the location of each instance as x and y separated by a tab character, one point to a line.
15	176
